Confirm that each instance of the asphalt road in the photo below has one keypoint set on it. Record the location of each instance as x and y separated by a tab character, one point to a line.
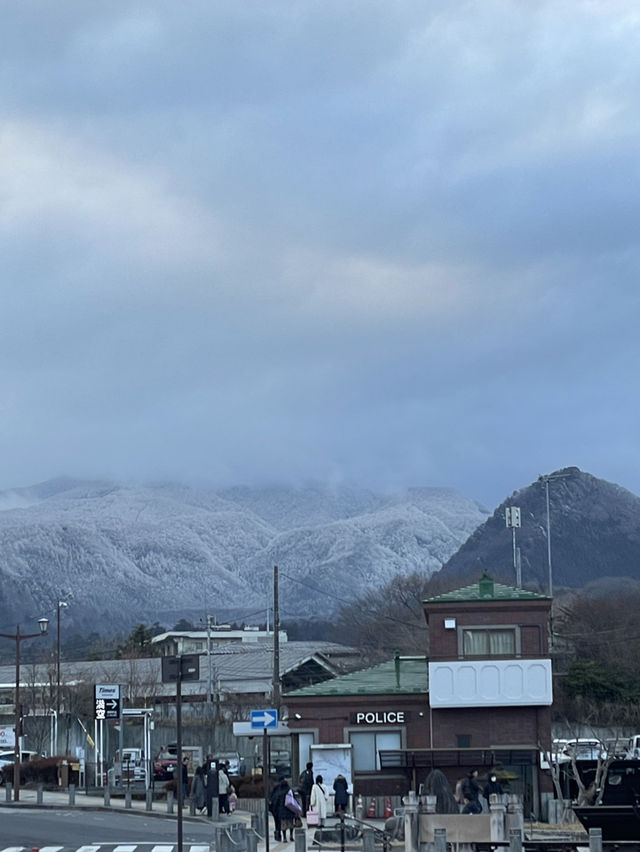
72	828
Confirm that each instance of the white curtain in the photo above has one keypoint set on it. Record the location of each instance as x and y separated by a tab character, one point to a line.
489	643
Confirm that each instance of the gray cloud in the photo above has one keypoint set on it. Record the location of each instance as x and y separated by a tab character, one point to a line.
395	243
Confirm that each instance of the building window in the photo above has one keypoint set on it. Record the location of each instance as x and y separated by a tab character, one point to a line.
464	740
489	642
367	745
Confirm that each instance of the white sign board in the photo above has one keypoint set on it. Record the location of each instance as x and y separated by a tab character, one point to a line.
107	690
245	729
331	761
7	737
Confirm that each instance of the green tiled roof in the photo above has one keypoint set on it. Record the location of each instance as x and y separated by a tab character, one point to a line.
486	590
402	676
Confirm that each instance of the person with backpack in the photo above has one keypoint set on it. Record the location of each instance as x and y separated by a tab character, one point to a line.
305	783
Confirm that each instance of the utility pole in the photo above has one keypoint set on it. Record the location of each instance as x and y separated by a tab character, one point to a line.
546	479
276	641
512	519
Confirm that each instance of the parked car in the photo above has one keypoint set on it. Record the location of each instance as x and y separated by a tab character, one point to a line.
132	767
164	766
236	763
7	757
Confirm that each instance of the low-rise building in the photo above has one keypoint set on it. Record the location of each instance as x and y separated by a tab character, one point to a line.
481	699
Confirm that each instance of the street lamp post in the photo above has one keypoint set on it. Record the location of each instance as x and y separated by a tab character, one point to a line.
546	478
61	605
17	637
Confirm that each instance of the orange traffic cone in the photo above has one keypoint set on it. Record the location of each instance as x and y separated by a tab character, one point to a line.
372	808
388	811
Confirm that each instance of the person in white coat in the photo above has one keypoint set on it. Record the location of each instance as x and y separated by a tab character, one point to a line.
319	800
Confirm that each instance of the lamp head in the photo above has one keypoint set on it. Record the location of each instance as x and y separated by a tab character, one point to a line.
43	624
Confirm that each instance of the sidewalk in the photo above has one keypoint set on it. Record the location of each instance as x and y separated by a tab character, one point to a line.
95	801
60	799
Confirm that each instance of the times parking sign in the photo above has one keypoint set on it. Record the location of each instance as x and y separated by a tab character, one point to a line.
107	701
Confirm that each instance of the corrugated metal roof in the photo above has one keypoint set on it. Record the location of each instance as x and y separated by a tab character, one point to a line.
401	676
240	668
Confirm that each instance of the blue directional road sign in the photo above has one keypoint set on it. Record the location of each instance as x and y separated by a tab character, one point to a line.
264	718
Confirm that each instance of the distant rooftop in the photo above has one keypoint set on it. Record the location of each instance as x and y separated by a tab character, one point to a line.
401	676
487	589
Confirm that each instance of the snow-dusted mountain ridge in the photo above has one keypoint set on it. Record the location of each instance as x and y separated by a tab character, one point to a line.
133	553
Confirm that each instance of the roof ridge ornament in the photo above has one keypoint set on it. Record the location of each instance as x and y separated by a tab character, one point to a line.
486	586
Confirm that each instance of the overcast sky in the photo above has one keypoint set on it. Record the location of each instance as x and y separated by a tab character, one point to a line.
382	242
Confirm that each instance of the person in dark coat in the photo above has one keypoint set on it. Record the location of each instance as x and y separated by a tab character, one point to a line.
305	783
492	786
341	790
185	778
276	805
471	792
199	790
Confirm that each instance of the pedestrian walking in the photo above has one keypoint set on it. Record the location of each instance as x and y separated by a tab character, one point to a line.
319	799
471	792
185	779
198	790
276	804
223	791
305	783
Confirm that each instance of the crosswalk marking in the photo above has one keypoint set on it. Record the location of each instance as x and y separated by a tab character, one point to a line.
122	847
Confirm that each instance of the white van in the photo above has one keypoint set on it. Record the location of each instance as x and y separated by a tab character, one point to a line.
7	757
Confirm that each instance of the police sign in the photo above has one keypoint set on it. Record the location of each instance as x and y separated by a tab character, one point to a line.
107	701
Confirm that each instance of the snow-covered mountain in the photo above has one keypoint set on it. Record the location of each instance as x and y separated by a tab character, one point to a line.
156	553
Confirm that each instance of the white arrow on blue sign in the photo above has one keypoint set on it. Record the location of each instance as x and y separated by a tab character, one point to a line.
264	718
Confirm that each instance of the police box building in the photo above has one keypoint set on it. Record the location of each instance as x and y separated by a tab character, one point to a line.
481	699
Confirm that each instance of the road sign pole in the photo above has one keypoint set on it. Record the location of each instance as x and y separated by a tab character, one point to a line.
180	787
265	779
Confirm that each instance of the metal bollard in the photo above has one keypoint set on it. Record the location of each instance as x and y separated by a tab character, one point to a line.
39	794
148	801
107	797
8	791
440	839
595	840
72	795
252	840
192	806
169	801
300	837
221	839
515	840
257	823
368	840
127	798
